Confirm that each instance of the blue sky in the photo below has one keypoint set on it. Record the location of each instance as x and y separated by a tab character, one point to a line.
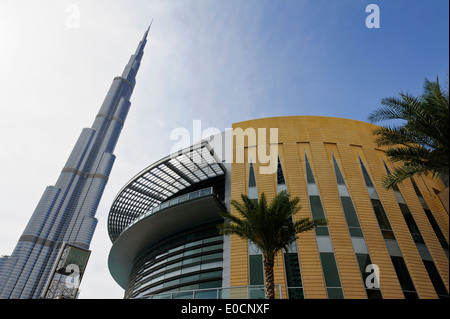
247	59
218	61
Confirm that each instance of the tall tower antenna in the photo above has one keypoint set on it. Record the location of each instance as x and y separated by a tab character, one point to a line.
55	243
151	22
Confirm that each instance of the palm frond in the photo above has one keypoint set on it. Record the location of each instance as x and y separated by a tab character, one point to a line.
421	142
399	174
266	224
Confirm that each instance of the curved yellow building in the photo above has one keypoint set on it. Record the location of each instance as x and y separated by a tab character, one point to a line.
378	243
335	168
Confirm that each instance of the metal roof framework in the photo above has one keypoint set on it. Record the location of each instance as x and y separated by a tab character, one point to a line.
160	181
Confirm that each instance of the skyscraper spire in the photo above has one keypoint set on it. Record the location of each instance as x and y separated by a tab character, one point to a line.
55	242
151	22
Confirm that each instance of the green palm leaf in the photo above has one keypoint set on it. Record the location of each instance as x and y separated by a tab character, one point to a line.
420	144
269	226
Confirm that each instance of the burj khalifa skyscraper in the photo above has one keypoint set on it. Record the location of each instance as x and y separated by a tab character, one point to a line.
51	255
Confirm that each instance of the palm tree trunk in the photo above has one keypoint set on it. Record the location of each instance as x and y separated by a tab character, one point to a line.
269	277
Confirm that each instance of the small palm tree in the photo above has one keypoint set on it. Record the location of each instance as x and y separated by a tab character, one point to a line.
420	144
269	227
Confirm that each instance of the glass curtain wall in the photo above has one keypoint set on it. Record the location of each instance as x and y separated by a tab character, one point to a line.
324	244
356	234
255	258
291	261
189	260
431	218
430	266
409	291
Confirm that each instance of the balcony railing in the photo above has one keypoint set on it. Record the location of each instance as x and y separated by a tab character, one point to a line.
243	292
175	201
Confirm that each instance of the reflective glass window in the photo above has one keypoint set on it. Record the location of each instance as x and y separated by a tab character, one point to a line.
330	270
256	270
350	212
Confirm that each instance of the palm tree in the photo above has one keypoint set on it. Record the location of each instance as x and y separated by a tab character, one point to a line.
269	227
420	144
